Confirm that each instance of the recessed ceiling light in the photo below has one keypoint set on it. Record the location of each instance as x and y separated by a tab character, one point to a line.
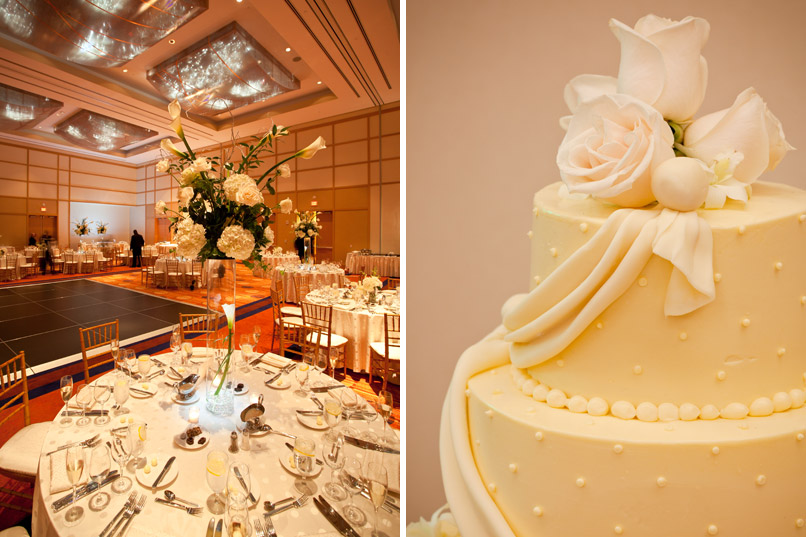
239	1
172	41
319	82
125	70
288	49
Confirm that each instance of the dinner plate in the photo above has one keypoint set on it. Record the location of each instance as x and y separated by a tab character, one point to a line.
145	386
282	383
115	422
195	445
182	370
175	398
243	391
311	422
287	462
147	479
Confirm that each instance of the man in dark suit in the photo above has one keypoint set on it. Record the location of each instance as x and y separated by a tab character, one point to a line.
136	246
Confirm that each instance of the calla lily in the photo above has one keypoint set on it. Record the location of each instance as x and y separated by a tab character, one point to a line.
176	125
167	145
174	109
312	149
229	311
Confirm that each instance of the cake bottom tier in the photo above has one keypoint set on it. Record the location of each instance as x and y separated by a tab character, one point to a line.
554	473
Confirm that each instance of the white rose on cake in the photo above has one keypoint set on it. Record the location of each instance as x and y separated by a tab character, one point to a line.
612	145
236	242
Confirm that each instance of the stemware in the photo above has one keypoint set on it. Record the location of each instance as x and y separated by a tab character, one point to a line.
216	480
377	482
131	358
187	350
304	462
333	454
84	400
74	461
384	404
245	344
176	345
66	388
234	485
101	393
332	411
121	456
351	479
114	349
256	334
237	514
136	441
319	361
143	364
99	465
301	373
121	394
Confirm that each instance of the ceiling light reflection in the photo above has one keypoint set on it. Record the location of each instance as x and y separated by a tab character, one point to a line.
100	133
21	109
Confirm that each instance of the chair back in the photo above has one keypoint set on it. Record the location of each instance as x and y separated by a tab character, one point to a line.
195	323
392	283
171	265
391	329
14	389
196	267
316	318
302	285
93	338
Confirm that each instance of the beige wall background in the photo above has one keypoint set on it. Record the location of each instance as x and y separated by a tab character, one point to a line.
483	98
357	177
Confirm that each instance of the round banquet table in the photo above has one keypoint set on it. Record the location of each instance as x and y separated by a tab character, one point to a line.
273	261
165	248
13	261
382	265
166	419
318	279
184	268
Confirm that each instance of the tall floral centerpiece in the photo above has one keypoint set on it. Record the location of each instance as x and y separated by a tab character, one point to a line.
101	228
82	227
222	218
307	228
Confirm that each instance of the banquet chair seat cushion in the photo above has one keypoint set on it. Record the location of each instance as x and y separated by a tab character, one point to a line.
293	322
380	348
334	340
293	311
16	531
20	453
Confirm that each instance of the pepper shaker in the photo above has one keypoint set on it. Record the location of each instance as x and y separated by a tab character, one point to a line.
233	446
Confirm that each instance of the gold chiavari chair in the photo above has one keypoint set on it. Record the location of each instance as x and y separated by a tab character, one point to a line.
392	283
193	278
384	356
94	338
70	263
302	286
289	330
288	311
191	324
19	456
319	336
7	267
173	277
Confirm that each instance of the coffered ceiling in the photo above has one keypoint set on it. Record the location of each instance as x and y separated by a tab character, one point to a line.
341	55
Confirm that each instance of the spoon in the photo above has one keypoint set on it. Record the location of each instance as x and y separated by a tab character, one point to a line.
267	427
171	497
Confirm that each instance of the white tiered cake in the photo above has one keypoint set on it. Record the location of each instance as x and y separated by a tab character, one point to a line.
652	381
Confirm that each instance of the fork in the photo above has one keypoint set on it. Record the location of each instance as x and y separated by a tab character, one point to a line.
129	502
137	509
270	527
196	511
126	515
299	502
83	443
258	528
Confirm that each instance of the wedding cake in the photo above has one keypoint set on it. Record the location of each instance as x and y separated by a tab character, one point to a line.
652	382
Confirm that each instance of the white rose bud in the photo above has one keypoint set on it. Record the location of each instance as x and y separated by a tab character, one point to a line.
285	170
161	207
163	165
187	176
285	206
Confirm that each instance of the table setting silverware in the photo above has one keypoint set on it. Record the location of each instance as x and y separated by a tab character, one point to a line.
158	362
274	378
83	490
162	474
239	477
82	443
268	428
365	444
218	528
155	374
309	412
332	516
268	505
299	502
195	511
130	501
141	392
259	532
323	389
210	527
318	461
138	508
318	403
95	412
171	497
270	527
388	505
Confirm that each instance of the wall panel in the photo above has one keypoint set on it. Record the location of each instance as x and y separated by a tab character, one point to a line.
42	175
41	190
9	170
13	153
43	158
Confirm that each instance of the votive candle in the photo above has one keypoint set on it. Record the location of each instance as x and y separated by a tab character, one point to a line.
193	416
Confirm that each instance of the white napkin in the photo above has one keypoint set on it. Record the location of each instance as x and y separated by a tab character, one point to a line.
275	360
58	473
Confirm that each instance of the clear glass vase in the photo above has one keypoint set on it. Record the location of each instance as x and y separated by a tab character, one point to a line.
220	395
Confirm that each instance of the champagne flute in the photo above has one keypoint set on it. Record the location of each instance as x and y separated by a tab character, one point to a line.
75	467
176	344
121	456
121	394
114	348
245	344
378	483
84	400
332	411
136	441
351	479
304	457
234	486
99	465
66	388
385	403
256	334
216	480
101	393
333	454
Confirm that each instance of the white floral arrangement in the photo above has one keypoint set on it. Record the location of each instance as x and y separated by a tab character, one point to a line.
221	211
442	524
82	227
306	224
371	284
633	139
101	227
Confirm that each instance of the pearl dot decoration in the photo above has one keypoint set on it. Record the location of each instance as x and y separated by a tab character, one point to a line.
761	480
513	468
556	398
583	227
647	411
537	510
800	523
577	404
623	409
492	487
560	363
721	375
488	413
539	436
537	279
746	322
802	218
712	529
717	277
529	233
540	393
781	352
762	406
668	412
683	336
599	325
642	282
689	412
553	252
618	449
779	265
637	370
734	411
597	406
803	300
618	530
799	437
580	482
662	482
715	450
709	412
742	229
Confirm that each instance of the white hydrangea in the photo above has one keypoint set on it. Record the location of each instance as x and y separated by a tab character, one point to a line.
371	283
241	188
161	207
185	195
189	238
201	164
285	206
163	165
236	242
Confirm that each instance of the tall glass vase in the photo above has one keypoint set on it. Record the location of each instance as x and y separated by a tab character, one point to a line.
220	395
308	254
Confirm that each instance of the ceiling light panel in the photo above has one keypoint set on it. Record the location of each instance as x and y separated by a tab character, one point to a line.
21	109
225	71
100	133
98	33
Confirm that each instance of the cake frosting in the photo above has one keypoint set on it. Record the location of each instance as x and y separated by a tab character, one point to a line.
652	380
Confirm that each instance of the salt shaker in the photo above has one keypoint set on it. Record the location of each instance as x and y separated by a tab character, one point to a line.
233	446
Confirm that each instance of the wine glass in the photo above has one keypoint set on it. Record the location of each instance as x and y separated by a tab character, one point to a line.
131	358
333	454
144	365
114	349
84	400
332	411
136	441
101	393
121	394
99	464
216	480
187	349
384	405
176	344
121	456
256	334
378	483
75	467
349	407
319	361
66	388
301	373
304	462
351	479
245	344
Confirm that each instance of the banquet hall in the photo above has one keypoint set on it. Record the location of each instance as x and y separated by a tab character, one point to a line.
200	267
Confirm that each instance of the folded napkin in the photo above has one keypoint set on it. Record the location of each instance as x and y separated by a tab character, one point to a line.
58	473
275	360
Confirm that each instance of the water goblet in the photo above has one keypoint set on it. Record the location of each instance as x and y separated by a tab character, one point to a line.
131	358
377	482
237	518
143	365
332	412
66	388
304	462
301	373
136	441
245	344
121	394
75	467
99	465
352	480
238	472
176	344
216	470
187	351
333	454
121	456
102	393
84	400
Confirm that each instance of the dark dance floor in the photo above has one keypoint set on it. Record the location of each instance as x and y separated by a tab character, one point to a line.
43	319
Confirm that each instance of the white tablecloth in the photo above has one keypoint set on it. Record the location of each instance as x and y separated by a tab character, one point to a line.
318	279
80	257
184	267
14	261
165	248
273	261
382	265
165	419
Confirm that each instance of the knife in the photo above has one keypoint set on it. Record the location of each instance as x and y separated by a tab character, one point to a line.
156	374
82	491
218	528
321	389
318	461
318	403
257	360
162	473
89	412
243	483
141	392
275	377
364	444
210	526
334	518
309	412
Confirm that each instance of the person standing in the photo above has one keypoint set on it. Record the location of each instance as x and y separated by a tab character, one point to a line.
32	240
136	246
